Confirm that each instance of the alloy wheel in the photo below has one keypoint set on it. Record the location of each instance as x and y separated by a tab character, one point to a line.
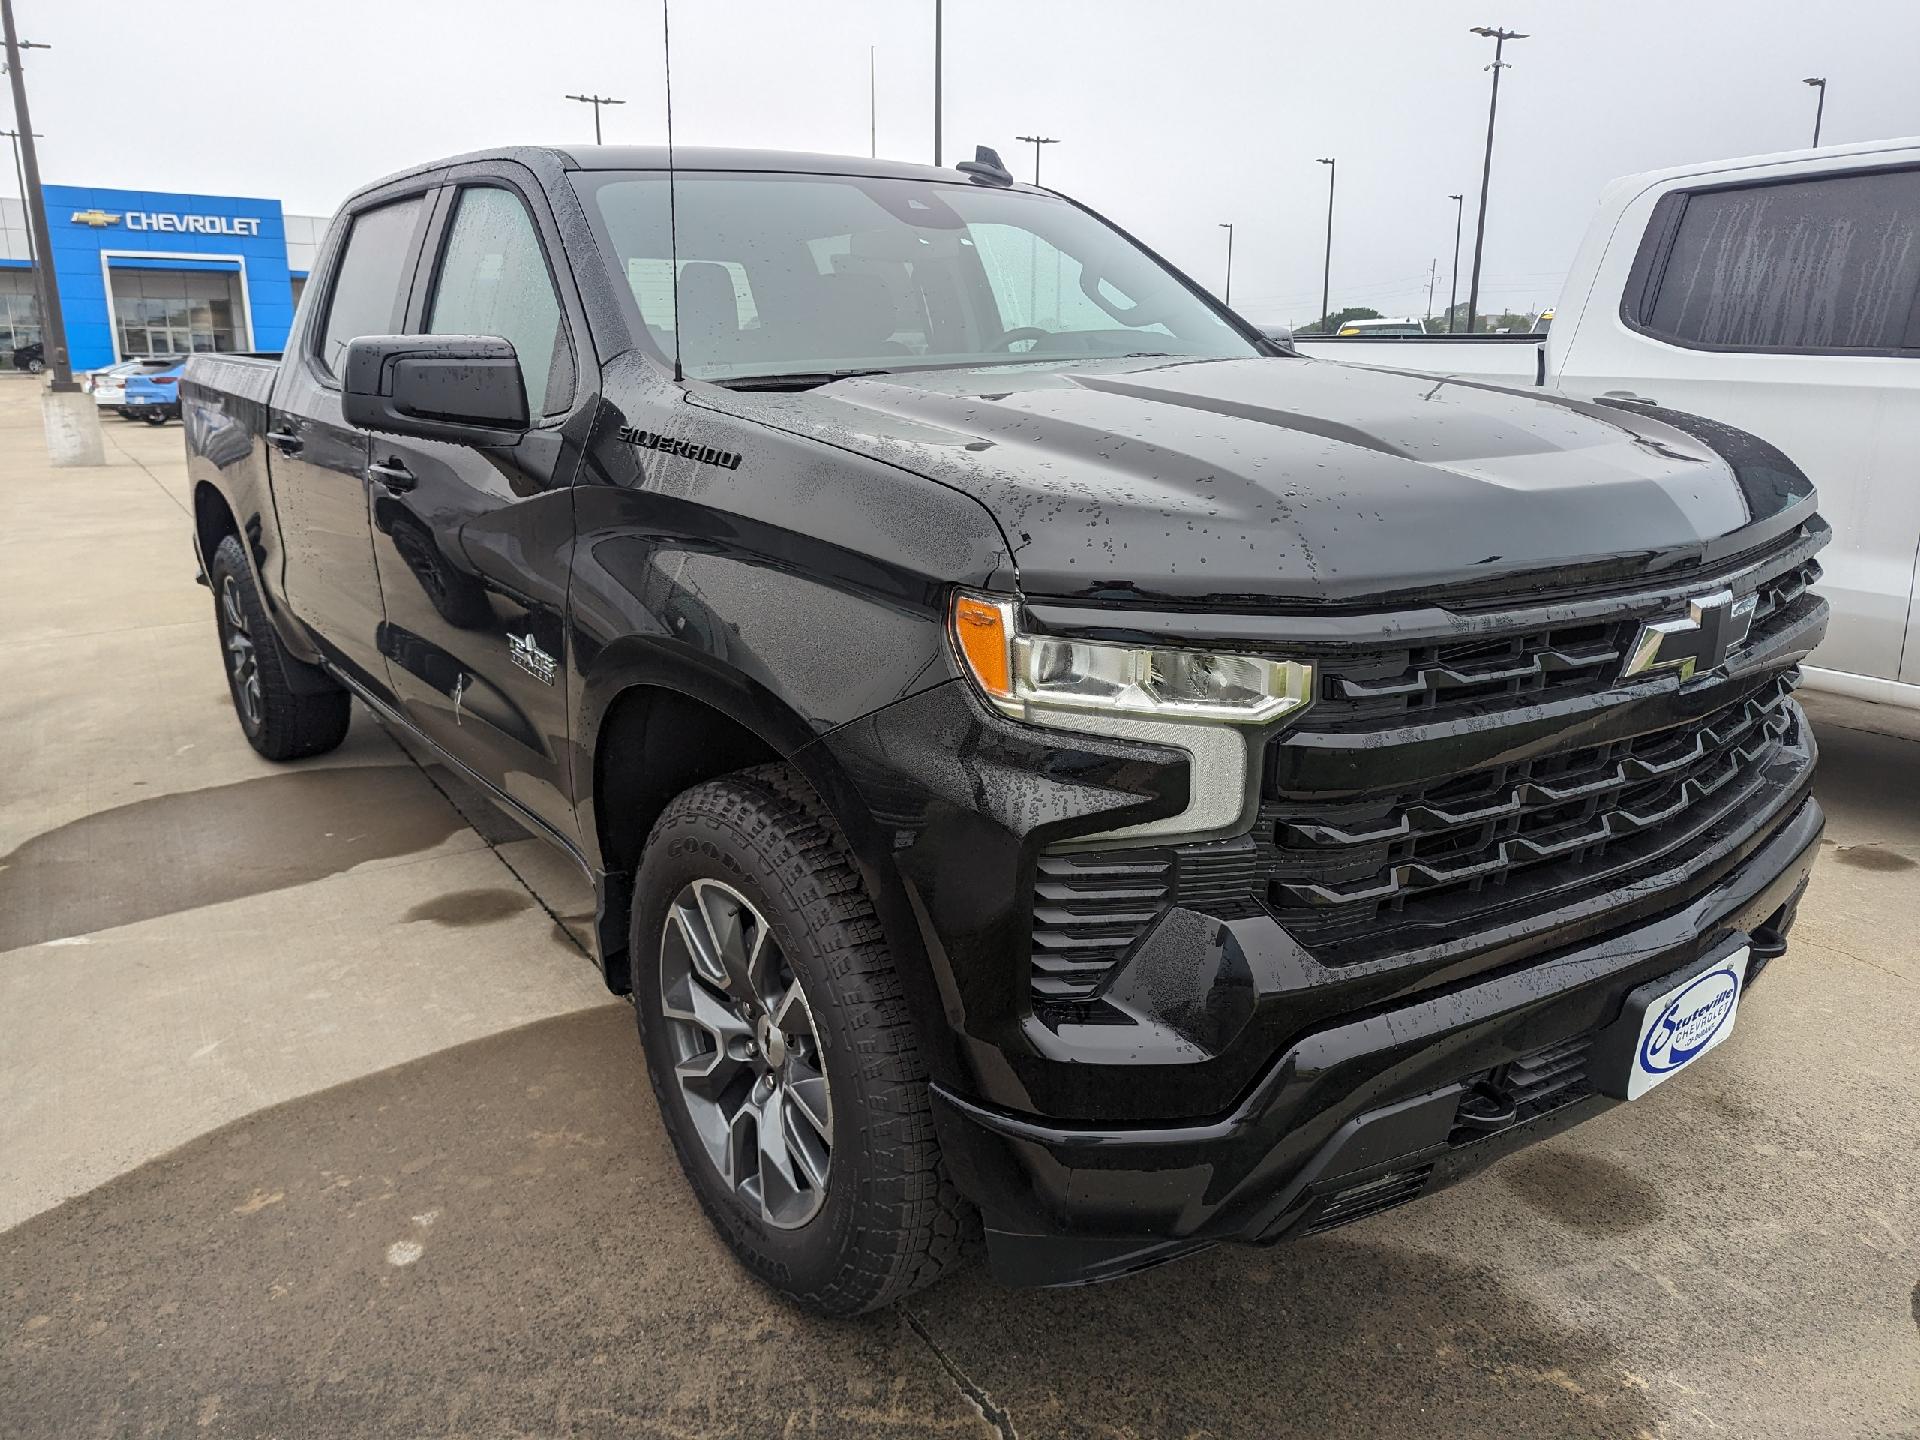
243	660
746	1053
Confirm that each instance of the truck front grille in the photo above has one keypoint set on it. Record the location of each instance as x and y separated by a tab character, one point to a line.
1427	682
1349	878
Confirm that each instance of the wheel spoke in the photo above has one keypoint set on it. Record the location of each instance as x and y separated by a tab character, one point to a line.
791	1014
808	1151
692	1003
745	1053
694	934
780	1185
736	935
810	1104
230	602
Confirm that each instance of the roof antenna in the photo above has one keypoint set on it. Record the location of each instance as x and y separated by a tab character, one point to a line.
673	213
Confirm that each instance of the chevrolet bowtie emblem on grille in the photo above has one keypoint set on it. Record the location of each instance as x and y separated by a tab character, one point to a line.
98	219
1699	641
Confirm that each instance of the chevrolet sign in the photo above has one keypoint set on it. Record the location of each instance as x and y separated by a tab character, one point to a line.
165	222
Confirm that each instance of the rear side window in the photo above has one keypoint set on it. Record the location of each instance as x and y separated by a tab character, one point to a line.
494	281
1810	265
366	295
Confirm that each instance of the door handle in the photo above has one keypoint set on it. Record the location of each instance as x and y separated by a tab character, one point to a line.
392	474
285	441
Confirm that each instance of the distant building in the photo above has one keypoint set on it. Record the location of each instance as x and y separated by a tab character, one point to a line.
147	273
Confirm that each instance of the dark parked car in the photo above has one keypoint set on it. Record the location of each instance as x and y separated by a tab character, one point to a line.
1049	759
31	357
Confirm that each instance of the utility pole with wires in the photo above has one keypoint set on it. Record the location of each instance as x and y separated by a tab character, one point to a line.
1227	299
873	110
1036	141
1433	279
72	420
1453	290
596	101
1499	38
937	27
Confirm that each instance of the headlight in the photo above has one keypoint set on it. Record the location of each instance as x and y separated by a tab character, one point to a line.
1022	674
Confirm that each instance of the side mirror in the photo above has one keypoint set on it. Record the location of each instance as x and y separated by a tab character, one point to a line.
466	389
1280	335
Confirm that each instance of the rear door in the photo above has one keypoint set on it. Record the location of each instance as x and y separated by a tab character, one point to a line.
1785	299
474	543
318	462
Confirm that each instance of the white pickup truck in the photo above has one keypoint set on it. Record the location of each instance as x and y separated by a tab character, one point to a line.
1780	294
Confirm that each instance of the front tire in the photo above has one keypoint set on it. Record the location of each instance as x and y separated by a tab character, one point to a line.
280	721
781	1051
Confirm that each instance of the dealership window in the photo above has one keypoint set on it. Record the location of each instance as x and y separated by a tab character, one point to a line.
493	281
176	312
1826	264
19	309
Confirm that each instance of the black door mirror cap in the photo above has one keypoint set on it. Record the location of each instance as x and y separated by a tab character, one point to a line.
465	389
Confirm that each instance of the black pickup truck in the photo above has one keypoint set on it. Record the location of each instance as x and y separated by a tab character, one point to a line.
1053	763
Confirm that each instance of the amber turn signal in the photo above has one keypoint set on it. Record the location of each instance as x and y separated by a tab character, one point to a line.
983	633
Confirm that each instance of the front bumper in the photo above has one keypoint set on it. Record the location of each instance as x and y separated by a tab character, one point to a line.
1355	1117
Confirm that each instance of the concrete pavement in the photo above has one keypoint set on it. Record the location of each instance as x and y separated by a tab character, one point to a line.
315	1120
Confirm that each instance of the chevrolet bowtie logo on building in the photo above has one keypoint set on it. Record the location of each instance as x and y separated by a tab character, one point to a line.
98	219
1700	641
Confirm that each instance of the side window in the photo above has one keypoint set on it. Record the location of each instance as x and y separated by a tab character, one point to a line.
1825	264
366	288
494	281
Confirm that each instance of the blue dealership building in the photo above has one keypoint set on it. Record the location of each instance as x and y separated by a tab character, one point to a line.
144	272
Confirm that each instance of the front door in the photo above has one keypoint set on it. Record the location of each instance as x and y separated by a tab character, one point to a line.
319	463
474	543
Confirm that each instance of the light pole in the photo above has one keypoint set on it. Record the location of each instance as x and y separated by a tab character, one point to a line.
1819	82
72	420
937	27
873	110
1227	299
1499	38
1453	290
596	101
1037	141
1326	271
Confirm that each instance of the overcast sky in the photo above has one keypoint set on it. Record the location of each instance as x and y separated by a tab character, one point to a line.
1173	115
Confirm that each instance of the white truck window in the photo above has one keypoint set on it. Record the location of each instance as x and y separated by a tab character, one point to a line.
1826	264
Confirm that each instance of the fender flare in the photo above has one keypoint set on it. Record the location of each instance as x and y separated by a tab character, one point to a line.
659	662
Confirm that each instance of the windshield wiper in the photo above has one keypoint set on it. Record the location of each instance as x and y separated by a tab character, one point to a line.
798	380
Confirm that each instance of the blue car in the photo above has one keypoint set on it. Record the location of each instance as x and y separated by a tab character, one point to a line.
154	398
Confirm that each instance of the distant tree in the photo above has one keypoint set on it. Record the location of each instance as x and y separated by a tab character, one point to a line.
1330	324
1483	325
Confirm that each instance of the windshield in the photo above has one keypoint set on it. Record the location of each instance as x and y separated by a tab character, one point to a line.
822	274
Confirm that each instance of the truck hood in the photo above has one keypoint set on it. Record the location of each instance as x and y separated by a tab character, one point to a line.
1277	481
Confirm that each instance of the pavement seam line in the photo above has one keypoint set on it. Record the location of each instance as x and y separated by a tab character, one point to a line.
990	1410
142	465
520	879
